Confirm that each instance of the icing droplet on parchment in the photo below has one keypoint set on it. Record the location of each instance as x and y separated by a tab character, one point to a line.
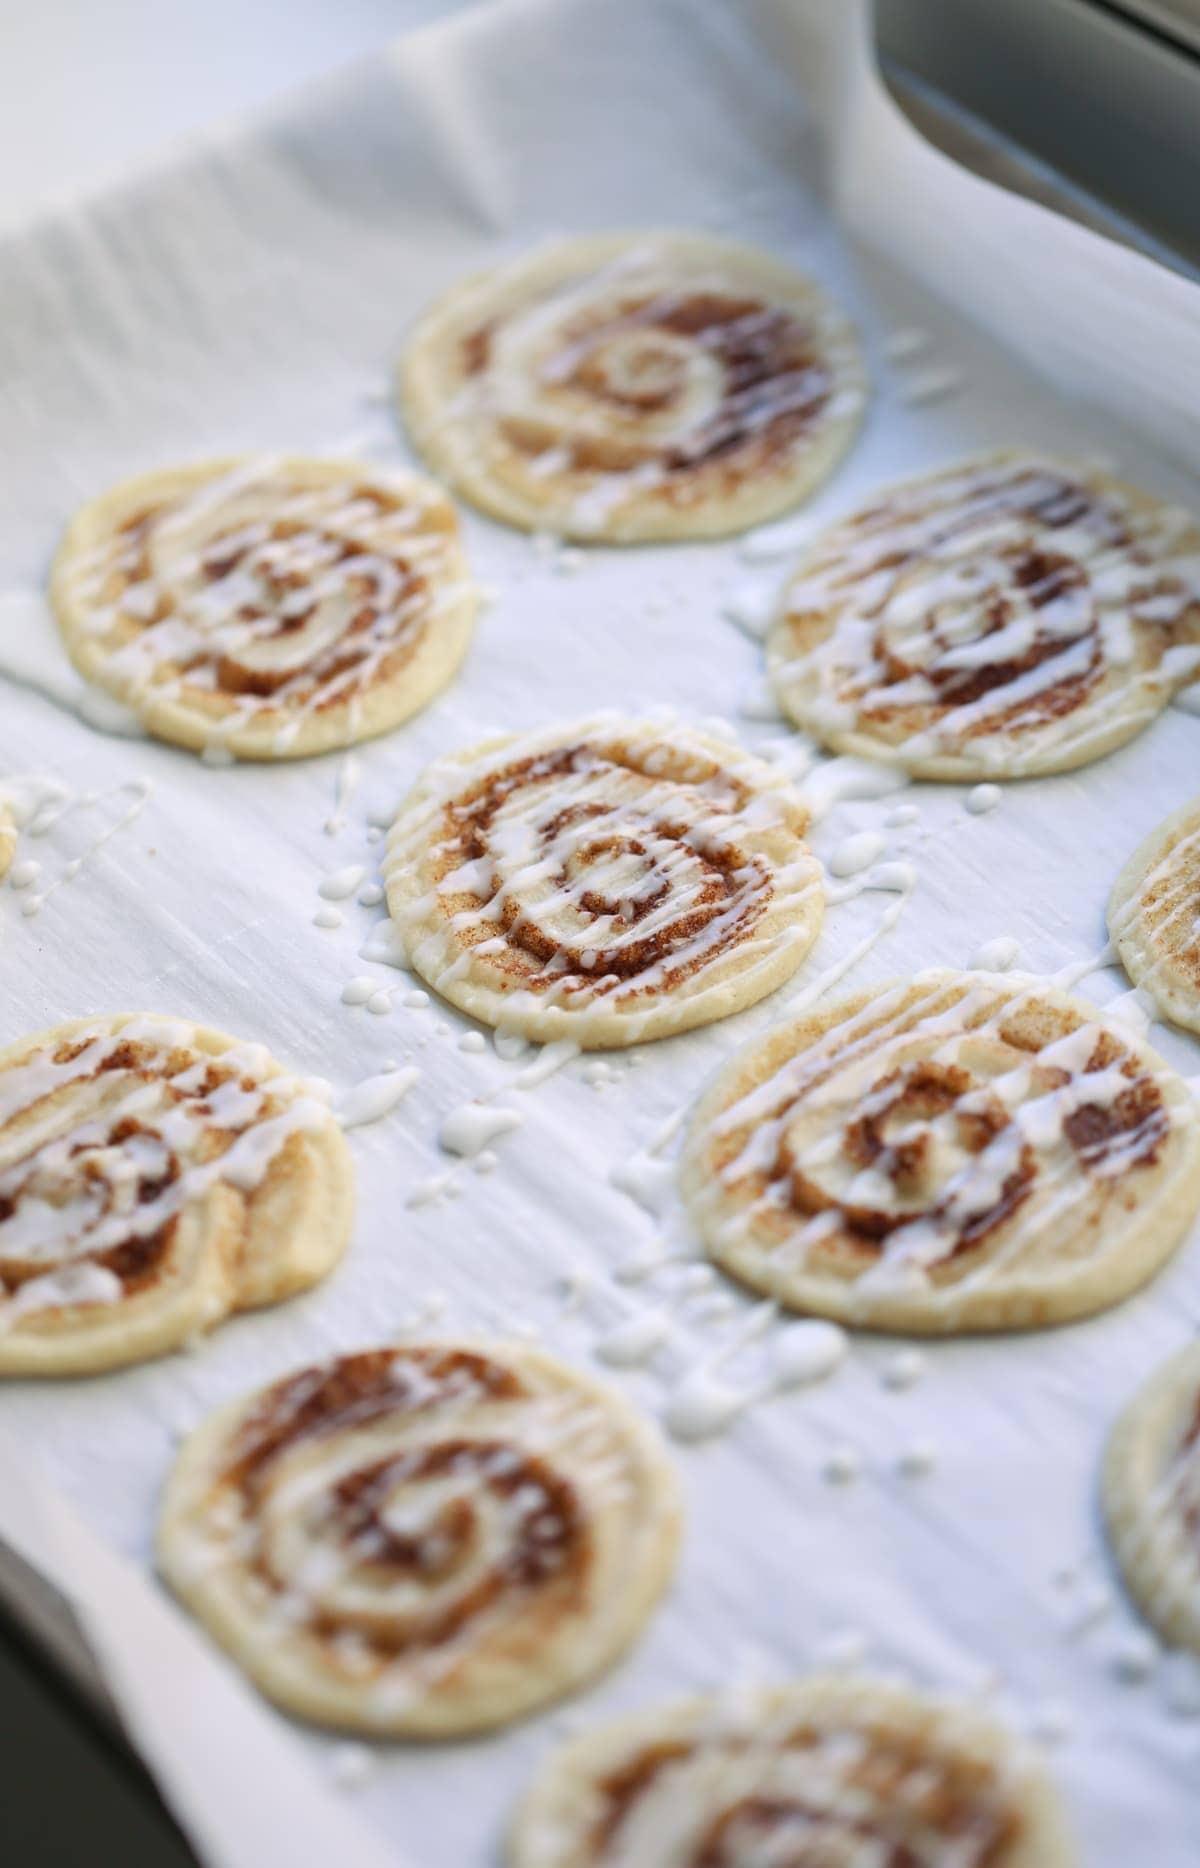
633	1341
375	1097
341	883
996	956
469	1129
857	852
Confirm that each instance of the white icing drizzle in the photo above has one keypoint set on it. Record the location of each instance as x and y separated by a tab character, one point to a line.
905	1369
550	1059
375	1097
934	384
75	1193
783	540
561	358
348	771
837	781
1087	586
857	852
341	883
438	1187
703	1403
136	790
1027	1167
329	917
997	955
470	1128
385	945
982	798
807	1352
358	991
633	1341
599	867
752	606
258	595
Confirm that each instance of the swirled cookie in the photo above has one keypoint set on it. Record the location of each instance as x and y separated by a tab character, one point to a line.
269	607
634	386
1154	916
1152	1497
154	1177
422	1540
1003	617
832	1771
608	882
955	1152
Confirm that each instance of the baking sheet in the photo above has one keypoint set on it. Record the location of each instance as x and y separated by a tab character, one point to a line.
254	295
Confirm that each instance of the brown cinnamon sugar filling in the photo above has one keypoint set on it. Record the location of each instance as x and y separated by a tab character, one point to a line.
915	1794
734	889
545	1545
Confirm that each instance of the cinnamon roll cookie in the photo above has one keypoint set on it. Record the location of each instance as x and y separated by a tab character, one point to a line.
1154	916
956	1152
269	607
831	1770
1004	617
608	882
1151	1493
635	386
422	1540
154	1177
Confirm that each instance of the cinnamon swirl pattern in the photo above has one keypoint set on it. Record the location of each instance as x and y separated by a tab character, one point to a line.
606	882
1007	616
832	1771
1154	916
956	1152
634	386
422	1540
154	1177
266	608
1152	1498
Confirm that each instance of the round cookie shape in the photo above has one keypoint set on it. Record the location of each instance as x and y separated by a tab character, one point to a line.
1007	616
607	881
1154	916
950	1153
268	607
1151	1497
154	1177
422	1540
830	1769
634	386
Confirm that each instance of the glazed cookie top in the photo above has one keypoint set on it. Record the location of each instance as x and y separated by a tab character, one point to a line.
640	386
1005	616
266	607
607	881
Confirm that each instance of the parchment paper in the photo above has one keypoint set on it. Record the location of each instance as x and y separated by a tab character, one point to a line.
255	295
